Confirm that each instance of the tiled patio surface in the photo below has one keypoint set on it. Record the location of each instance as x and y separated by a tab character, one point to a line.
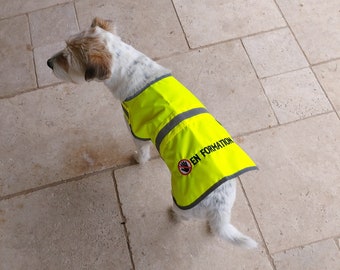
71	196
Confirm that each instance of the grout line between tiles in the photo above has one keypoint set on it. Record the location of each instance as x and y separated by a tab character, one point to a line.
260	82
290	71
281	124
61	182
53	184
68	180
32	50
59	4
216	44
180	23
270	258
31	90
251	62
284	72
337	242
238	38
325	93
124	221
307	244
326	61
305	55
292	32
27	12
76	12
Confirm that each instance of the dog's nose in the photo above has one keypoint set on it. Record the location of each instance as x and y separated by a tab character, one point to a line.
50	63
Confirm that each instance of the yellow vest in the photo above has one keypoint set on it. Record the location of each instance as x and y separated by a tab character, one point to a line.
199	152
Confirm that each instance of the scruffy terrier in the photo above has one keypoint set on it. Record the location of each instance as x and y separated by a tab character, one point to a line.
201	155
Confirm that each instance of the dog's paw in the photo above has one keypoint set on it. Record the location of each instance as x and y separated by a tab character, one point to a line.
141	158
172	215
176	217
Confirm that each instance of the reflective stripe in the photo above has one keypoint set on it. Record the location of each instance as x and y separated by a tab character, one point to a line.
147	86
212	188
175	121
126	113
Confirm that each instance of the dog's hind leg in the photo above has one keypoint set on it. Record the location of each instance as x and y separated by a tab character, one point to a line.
219	225
176	215
142	154
219	216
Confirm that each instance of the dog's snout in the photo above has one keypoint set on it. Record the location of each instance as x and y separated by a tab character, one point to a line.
50	63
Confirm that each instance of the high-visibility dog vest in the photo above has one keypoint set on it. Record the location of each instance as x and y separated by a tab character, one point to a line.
199	152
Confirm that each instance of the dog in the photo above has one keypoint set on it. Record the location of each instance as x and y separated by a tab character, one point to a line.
203	159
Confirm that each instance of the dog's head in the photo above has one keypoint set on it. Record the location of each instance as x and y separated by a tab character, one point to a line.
87	55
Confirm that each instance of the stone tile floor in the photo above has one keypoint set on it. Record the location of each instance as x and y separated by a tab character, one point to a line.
71	196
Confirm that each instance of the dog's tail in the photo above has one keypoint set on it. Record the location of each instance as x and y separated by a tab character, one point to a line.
226	231
230	233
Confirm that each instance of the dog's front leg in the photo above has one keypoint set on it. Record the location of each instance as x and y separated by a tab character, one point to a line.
142	154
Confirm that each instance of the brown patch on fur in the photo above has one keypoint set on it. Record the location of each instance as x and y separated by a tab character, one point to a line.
92	56
104	24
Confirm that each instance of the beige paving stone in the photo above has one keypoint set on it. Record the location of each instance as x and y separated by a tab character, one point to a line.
329	78
53	24
295	193
150	26
213	20
322	255
296	95
159	243
60	132
71	226
316	27
274	52
223	78
16	7
41	55
16	57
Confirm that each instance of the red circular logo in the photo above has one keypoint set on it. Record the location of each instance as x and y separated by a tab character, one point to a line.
184	166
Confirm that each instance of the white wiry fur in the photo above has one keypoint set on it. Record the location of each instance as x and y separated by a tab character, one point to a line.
99	54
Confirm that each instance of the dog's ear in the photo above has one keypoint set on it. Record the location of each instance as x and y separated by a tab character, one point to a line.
98	67
107	25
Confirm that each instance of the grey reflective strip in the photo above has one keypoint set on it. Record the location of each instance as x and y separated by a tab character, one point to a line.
148	85
213	187
175	121
125	112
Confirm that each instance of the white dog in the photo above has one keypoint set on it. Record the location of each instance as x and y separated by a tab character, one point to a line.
202	157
